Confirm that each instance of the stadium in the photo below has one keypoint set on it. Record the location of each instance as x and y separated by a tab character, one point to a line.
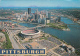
30	33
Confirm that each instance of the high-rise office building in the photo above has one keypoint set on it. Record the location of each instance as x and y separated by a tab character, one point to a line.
46	14
37	11
47	20
59	19
49	15
33	16
36	16
26	14
29	10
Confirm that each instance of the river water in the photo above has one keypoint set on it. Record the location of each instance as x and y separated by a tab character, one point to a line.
72	37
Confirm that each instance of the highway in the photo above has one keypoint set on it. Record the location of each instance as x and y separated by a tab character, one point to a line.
11	36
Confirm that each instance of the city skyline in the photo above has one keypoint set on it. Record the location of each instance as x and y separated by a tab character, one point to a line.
32	24
39	3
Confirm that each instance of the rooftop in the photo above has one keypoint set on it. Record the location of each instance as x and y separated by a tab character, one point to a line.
30	32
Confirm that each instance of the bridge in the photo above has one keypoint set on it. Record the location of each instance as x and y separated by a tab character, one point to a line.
3	18
14	29
75	27
71	24
40	26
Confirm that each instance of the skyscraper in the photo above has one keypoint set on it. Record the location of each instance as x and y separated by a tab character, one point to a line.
29	10
36	16
46	14
49	15
26	13
37	11
59	19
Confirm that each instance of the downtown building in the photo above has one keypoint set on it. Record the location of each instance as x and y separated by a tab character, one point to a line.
29	10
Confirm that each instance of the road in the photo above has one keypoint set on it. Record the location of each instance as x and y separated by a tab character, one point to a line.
11	36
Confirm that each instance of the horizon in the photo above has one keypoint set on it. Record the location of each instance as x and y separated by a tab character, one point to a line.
39	3
40	7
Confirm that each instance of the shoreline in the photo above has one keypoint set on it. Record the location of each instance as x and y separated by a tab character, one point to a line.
57	38
37	24
49	34
62	27
54	37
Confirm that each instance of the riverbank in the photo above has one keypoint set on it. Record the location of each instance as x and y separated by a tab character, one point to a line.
59	26
18	21
72	18
72	37
50	30
47	41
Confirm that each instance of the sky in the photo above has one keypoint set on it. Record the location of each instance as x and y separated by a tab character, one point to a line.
39	3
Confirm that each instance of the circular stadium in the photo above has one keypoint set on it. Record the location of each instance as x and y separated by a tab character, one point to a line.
30	33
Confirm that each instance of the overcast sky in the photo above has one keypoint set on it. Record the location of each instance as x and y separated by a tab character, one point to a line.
40	3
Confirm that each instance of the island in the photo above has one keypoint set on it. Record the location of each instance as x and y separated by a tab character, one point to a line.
59	25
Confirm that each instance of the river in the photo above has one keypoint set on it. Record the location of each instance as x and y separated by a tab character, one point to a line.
72	37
